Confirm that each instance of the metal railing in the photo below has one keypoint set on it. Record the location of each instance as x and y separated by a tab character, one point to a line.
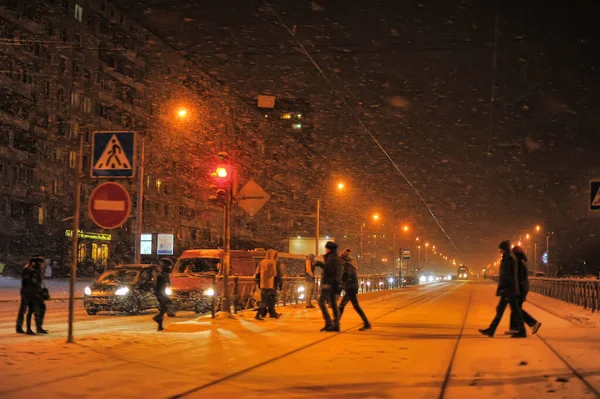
243	289
580	292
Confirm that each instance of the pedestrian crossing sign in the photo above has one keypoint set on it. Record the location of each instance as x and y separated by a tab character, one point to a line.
595	195
113	155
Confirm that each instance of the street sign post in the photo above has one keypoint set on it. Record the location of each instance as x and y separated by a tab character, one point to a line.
113	155
252	198
109	205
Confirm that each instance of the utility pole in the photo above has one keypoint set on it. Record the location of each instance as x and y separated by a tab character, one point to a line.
140	205
75	239
226	307
318	232
535	255
361	239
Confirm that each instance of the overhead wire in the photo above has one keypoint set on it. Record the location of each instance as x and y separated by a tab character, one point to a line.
359	120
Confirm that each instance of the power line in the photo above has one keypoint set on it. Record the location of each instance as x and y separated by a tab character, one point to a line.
360	121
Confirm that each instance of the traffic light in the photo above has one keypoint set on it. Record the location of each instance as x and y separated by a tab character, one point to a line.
221	178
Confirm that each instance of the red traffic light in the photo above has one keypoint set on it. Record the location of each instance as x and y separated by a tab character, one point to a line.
222	172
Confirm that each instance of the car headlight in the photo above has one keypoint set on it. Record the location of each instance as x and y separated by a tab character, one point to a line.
301	297
209	292
122	291
430	279
87	291
391	280
368	283
448	277
168	291
422	279
381	283
300	289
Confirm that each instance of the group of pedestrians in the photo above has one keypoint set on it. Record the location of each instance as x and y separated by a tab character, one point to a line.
33	297
513	287
339	273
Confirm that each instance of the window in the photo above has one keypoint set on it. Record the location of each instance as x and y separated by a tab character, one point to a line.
87	135
60	95
87	105
78	12
64	6
74	130
85	162
75	100
62	65
64	36
72	159
76	69
47	89
50	29
41	215
87	75
4	137
62	126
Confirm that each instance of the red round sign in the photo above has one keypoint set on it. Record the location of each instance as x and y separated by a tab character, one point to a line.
109	205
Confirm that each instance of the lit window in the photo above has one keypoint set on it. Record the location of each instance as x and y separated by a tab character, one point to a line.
72	159
158	184
78	12
286	116
297	125
41	215
299	116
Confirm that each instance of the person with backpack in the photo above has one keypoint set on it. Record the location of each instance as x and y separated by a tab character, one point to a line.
350	286
523	277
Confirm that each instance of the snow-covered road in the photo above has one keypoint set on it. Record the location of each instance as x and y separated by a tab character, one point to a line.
409	353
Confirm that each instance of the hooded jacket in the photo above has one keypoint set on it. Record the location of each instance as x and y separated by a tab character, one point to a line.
508	283
349	272
522	273
268	270
331	277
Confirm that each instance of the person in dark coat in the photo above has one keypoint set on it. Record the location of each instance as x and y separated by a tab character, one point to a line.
523	276
509	293
31	293
163	281
350	286
331	284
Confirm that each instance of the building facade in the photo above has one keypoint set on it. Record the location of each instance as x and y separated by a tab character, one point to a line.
70	68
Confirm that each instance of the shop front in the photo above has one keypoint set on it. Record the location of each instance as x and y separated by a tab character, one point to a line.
93	249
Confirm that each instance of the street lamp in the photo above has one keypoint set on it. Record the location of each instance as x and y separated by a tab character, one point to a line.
375	218
341	186
182	113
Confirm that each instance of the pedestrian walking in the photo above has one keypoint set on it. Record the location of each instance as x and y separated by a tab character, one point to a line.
509	293
267	275
350	286
309	274
31	294
331	285
160	290
523	276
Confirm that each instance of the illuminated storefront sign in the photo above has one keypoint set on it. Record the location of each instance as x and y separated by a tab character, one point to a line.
90	236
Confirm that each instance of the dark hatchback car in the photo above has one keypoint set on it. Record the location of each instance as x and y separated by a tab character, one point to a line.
127	288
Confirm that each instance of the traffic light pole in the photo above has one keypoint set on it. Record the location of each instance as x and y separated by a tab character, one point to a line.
226	306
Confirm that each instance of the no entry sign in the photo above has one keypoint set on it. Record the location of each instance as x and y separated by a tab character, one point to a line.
109	205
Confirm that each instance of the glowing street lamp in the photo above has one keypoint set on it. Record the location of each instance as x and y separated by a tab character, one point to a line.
376	216
538	228
405	228
182	113
341	186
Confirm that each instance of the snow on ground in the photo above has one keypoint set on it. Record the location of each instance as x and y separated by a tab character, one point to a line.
59	288
405	355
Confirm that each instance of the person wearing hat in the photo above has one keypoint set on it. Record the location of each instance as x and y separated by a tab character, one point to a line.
331	284
509	293
350	284
160	290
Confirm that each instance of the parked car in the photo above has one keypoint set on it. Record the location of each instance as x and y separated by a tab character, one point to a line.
127	288
195	272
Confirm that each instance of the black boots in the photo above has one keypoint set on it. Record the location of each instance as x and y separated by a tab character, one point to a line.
487	332
159	320
366	327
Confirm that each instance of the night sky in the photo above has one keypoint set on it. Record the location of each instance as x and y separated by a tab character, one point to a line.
419	75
